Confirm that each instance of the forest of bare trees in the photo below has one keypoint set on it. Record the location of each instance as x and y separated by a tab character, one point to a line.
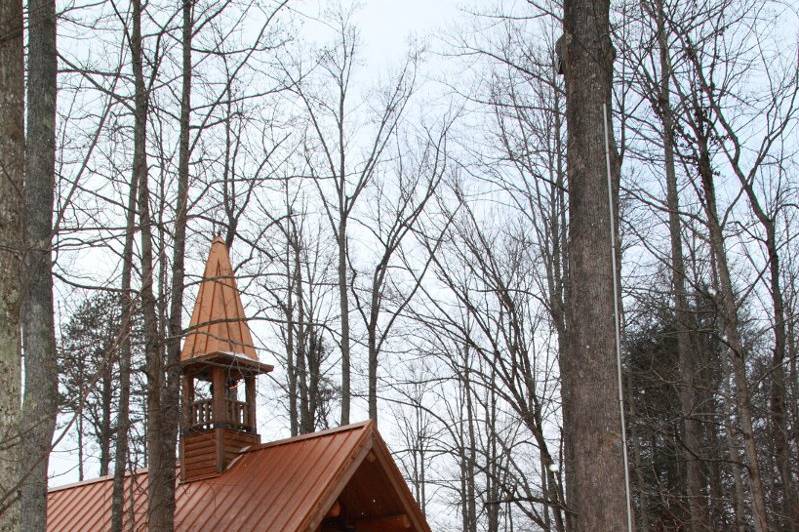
446	242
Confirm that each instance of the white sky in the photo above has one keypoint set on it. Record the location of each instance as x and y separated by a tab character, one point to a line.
386	25
386	28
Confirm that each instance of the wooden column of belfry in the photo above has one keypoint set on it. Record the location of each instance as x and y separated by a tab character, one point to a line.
219	350
249	383
218	382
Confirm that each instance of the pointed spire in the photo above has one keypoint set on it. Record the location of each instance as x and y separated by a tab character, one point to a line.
218	323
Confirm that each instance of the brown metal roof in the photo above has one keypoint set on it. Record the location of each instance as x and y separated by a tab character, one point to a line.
218	323
286	485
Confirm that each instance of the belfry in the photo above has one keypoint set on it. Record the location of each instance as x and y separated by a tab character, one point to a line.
218	355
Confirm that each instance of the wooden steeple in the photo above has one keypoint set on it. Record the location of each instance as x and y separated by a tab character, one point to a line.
218	356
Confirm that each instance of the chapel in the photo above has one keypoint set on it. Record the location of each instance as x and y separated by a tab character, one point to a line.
342	479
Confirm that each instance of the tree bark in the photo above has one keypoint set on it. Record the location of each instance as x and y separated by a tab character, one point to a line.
692	429
371	342
160	480
778	421
40	405
12	157
105	415
304	346
166	438
596	493
291	370
123	414
344	306
729	313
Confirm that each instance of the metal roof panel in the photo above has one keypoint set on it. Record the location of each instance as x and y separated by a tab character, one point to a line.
273	486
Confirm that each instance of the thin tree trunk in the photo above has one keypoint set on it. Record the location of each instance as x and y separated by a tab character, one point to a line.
161	470
314	378
545	489
778	421
304	346
290	333
591	403
471	494
105	416
692	429
779	424
12	157
371	331
344	305
730	330
123	415
79	430
493	467
40	405
170	394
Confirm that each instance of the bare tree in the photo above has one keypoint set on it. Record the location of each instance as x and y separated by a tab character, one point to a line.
413	186
333	133
121	458
591	409
40	401
655	87
12	147
780	107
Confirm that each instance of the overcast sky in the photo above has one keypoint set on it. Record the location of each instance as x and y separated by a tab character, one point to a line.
386	29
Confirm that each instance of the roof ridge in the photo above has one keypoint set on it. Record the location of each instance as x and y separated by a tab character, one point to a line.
367	424
104	478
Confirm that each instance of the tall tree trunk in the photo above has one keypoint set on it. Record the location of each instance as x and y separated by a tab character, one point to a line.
779	424
161	469
315	399
691	428
304	343
123	414
730	330
79	427
12	157
344	306
793	375
778	421
40	405
170	394
291	369
106	396
591	404
371	331
471	469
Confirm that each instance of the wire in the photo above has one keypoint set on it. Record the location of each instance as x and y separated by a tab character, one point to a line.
616	324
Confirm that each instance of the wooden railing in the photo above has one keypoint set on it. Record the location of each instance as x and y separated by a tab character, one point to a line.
238	415
201	415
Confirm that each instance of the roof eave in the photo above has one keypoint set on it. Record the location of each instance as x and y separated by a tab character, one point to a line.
240	361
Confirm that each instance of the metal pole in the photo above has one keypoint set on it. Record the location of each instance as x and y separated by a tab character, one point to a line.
617	325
